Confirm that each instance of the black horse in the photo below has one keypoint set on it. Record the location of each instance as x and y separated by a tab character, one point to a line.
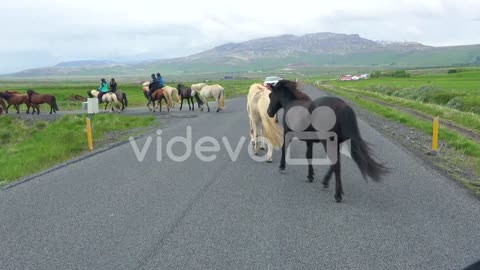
186	93
330	115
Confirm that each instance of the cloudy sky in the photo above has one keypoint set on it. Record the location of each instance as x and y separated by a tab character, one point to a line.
39	33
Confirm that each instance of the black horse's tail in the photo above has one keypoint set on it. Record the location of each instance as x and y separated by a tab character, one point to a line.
124	99
54	103
199	100
360	149
5	95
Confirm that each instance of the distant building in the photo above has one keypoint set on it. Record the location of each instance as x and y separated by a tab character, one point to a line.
346	78
355	78
364	76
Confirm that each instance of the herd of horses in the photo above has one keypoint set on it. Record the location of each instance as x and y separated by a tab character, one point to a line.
199	92
31	99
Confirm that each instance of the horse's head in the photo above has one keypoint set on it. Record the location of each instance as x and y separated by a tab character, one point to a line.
275	104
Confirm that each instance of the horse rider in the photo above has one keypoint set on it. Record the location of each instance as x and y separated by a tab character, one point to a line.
113	85
161	82
153	86
103	88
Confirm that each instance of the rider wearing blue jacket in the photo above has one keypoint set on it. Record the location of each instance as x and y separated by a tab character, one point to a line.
103	88
161	83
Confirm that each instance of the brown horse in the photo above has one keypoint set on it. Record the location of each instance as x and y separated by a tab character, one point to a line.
37	99
16	99
158	95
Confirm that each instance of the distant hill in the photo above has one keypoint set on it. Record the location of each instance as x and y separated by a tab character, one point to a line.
85	63
282	53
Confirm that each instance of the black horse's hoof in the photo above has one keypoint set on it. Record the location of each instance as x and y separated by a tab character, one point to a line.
310	179
262	148
338	198
269	161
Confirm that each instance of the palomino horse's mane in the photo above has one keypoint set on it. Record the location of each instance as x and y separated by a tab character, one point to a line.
292	87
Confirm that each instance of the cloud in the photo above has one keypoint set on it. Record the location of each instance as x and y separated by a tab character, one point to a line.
95	29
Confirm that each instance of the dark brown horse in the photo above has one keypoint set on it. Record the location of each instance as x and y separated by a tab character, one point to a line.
186	93
325	120
16	99
37	99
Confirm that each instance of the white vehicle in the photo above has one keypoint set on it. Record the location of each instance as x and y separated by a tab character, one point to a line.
271	80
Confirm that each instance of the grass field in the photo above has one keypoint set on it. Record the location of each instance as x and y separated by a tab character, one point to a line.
28	147
65	90
459	91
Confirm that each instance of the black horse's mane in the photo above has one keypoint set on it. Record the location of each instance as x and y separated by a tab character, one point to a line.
30	92
292	88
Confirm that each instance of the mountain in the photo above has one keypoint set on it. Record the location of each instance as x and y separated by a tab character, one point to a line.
306	53
81	63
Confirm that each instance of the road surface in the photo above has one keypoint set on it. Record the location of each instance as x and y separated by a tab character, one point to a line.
111	211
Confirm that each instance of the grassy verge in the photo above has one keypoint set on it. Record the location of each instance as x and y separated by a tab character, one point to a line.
465	146
31	147
465	119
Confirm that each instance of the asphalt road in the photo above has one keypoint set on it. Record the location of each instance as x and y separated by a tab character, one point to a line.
111	211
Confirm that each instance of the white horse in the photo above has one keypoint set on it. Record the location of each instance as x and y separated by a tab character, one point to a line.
261	124
208	91
196	87
108	98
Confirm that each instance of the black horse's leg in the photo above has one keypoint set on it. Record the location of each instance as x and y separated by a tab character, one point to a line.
338	180
6	111
38	109
18	108
181	104
282	160
309	160
193	104
51	109
189	106
326	178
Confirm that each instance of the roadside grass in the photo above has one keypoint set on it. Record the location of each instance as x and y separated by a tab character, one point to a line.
464	145
31	147
465	119
459	90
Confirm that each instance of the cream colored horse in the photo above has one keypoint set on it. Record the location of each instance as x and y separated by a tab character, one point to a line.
261	124
172	93
196	87
108	98
215	91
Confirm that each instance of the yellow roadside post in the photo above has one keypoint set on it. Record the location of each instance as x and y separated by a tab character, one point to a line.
89	134
435	134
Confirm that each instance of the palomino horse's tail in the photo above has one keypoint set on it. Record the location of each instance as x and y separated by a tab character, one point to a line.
175	95
270	128
360	150
168	98
54	103
221	98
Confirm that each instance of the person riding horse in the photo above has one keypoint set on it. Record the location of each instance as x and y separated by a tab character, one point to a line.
161	82
153	86
113	85
103	88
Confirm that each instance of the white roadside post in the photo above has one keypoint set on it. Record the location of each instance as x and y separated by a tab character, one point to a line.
92	108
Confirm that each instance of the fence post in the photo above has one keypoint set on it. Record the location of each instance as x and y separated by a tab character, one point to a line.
435	133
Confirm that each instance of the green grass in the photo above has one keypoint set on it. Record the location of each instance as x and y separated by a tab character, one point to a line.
457	90
468	120
457	141
31	147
